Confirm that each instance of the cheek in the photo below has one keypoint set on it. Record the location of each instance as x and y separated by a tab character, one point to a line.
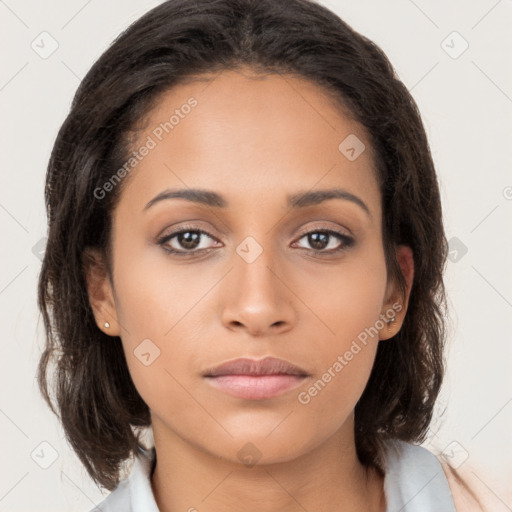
347	302
349	307
160	330
155	298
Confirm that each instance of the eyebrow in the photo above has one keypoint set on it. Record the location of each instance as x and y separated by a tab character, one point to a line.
297	200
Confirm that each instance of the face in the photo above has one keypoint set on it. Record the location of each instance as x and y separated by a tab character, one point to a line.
252	269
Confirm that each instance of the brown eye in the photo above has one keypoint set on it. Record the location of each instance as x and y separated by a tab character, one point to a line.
327	241
187	240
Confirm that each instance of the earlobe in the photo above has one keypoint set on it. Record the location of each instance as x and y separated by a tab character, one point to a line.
99	290
396	304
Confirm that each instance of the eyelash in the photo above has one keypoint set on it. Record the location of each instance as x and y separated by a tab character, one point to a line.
347	241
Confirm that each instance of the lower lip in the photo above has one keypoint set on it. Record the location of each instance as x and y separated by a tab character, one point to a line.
256	387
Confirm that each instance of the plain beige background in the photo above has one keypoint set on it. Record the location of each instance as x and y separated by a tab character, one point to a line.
465	96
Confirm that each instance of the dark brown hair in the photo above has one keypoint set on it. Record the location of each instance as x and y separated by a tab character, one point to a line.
90	386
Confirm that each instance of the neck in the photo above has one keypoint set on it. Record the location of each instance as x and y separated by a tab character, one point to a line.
328	477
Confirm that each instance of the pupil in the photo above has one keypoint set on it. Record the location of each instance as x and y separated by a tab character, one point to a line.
189	240
318	240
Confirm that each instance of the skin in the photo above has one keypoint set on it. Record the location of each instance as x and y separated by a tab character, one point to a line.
252	139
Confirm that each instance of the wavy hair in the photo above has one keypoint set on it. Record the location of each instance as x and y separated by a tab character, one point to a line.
82	372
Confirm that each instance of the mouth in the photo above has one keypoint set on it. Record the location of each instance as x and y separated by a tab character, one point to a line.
252	379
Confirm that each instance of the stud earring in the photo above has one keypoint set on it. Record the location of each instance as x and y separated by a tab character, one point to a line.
391	320
107	325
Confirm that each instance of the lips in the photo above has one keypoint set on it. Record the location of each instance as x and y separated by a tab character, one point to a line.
251	379
267	366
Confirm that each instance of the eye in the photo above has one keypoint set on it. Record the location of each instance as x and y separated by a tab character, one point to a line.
186	241
322	239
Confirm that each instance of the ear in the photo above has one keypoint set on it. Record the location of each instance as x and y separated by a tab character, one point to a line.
395	305
99	289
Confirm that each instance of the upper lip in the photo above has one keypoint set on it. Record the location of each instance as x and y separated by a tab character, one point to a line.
246	366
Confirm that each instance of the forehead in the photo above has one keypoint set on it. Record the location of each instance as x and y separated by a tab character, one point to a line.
265	136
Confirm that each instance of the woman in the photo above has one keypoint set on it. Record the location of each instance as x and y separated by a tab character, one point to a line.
245	253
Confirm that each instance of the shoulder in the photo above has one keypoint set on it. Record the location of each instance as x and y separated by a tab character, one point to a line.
418	475
118	499
464	491
414	480
134	492
462	496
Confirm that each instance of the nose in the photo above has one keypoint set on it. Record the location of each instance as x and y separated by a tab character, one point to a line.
257	298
